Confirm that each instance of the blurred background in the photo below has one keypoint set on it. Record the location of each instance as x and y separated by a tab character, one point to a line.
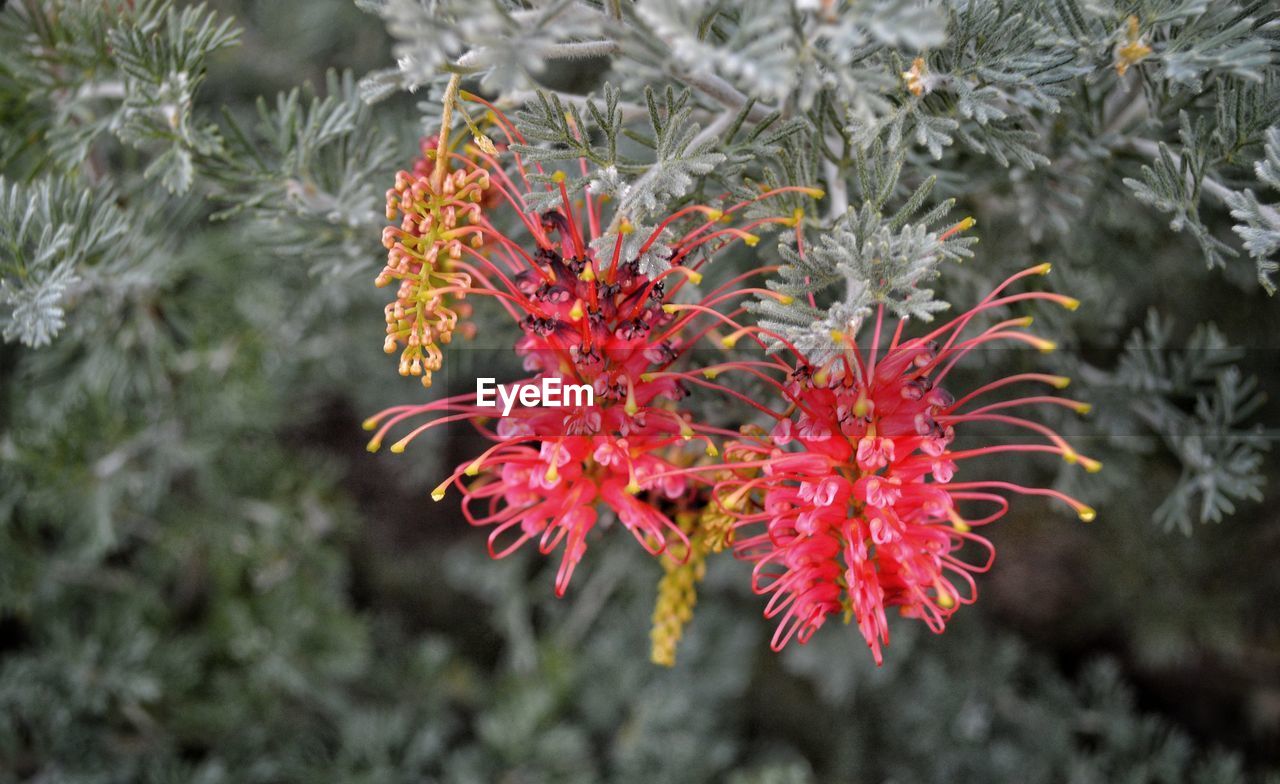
205	577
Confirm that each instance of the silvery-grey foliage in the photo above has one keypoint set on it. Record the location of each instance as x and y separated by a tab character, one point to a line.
1030	109
864	262
1173	183
1196	399
655	258
134	77
952	79
1259	223
674	157
307	175
32	312
679	158
49	230
162	65
129	77
504	43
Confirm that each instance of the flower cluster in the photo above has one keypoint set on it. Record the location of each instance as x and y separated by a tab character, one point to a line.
435	208
856	507
585	320
848	503
603	328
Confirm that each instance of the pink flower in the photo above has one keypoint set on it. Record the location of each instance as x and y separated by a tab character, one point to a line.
586	319
874	452
873	519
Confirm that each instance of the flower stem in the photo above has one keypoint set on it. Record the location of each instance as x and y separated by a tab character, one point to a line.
446	122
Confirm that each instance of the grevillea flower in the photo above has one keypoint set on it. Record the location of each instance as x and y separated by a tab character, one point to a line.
585	320
435	207
856	506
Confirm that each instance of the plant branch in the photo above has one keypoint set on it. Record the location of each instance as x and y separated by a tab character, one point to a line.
722	92
1152	150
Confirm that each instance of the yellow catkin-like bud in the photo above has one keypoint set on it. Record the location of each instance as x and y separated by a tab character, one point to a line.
710	531
683	568
715	528
677	594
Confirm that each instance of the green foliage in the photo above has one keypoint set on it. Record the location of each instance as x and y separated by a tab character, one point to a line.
306	176
50	233
126	68
878	260
1259	224
1173	184
1199	402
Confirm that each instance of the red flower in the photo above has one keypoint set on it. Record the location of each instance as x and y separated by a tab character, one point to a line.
602	322
865	513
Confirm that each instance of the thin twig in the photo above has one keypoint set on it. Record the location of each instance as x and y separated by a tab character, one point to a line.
446	125
837	191
1152	150
630	111
714	128
722	92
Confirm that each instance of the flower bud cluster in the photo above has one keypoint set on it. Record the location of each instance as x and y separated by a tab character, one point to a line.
436	210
